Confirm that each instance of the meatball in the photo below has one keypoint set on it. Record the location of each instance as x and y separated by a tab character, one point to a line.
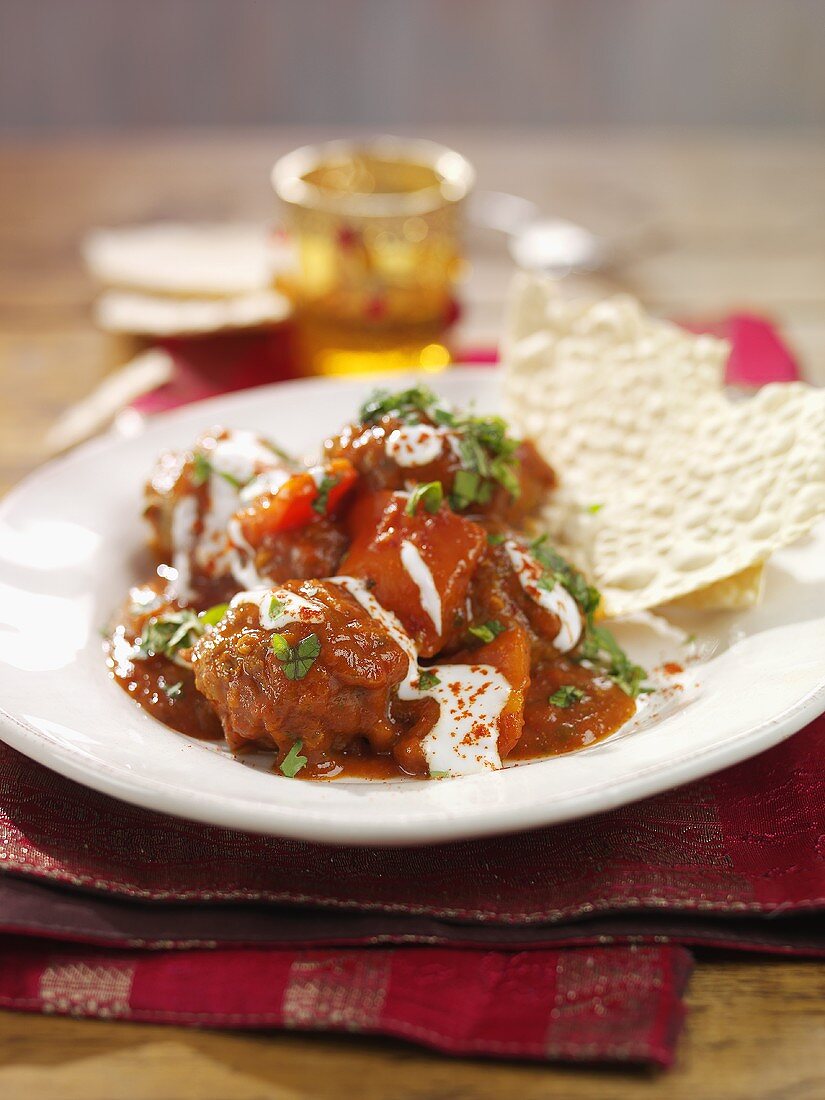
391	454
211	512
269	688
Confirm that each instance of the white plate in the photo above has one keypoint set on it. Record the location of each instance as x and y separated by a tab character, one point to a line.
70	546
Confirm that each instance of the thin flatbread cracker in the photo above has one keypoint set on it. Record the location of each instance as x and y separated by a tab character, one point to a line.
666	486
736	593
124	311
187	260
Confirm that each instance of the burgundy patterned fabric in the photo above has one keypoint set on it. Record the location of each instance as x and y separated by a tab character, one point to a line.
604	1004
747	840
563	943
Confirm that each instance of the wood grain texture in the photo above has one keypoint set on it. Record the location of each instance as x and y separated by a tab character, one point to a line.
738	222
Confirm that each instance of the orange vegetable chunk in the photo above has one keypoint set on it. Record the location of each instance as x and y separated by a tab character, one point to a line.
419	566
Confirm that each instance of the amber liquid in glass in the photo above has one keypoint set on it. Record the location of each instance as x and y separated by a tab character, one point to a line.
374	289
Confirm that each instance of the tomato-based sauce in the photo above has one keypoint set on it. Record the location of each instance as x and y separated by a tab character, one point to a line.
550	729
383	612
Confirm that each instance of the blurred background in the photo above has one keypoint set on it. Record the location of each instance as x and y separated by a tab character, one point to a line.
81	64
686	137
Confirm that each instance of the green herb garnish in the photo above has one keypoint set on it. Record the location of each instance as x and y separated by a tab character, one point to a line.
203	469
321	502
600	647
213	615
488	454
173	691
496	539
297	659
166	635
407	405
276	606
593	509
235	482
439	775
466	486
557	570
488	631
566	696
427	680
428	493
293	761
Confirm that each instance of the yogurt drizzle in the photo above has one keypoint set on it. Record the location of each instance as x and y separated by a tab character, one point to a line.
470	698
243	458
414	445
556	600
420	574
278	607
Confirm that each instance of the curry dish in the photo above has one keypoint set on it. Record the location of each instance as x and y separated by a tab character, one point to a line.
384	610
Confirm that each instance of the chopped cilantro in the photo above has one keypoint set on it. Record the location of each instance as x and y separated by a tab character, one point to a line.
173	691
202	469
235	482
465	489
593	509
488	454
276	606
600	647
213	615
439	775
428	493
487	631
408	405
166	635
321	502
293	761
297	659
556	569
427	680
566	696
496	539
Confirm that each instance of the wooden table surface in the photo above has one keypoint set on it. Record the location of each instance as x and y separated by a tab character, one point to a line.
732	221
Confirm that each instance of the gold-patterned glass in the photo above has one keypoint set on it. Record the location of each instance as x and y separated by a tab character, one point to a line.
376	227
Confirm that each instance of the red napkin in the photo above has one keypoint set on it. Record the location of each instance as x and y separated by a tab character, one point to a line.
563	943
212	365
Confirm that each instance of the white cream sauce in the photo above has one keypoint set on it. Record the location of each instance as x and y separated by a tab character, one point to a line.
242	455
242	467
240	558
419	573
464	739
184	518
557	600
414	445
278	607
270	481
317	473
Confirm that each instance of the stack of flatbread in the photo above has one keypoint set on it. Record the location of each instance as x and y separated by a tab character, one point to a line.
172	279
